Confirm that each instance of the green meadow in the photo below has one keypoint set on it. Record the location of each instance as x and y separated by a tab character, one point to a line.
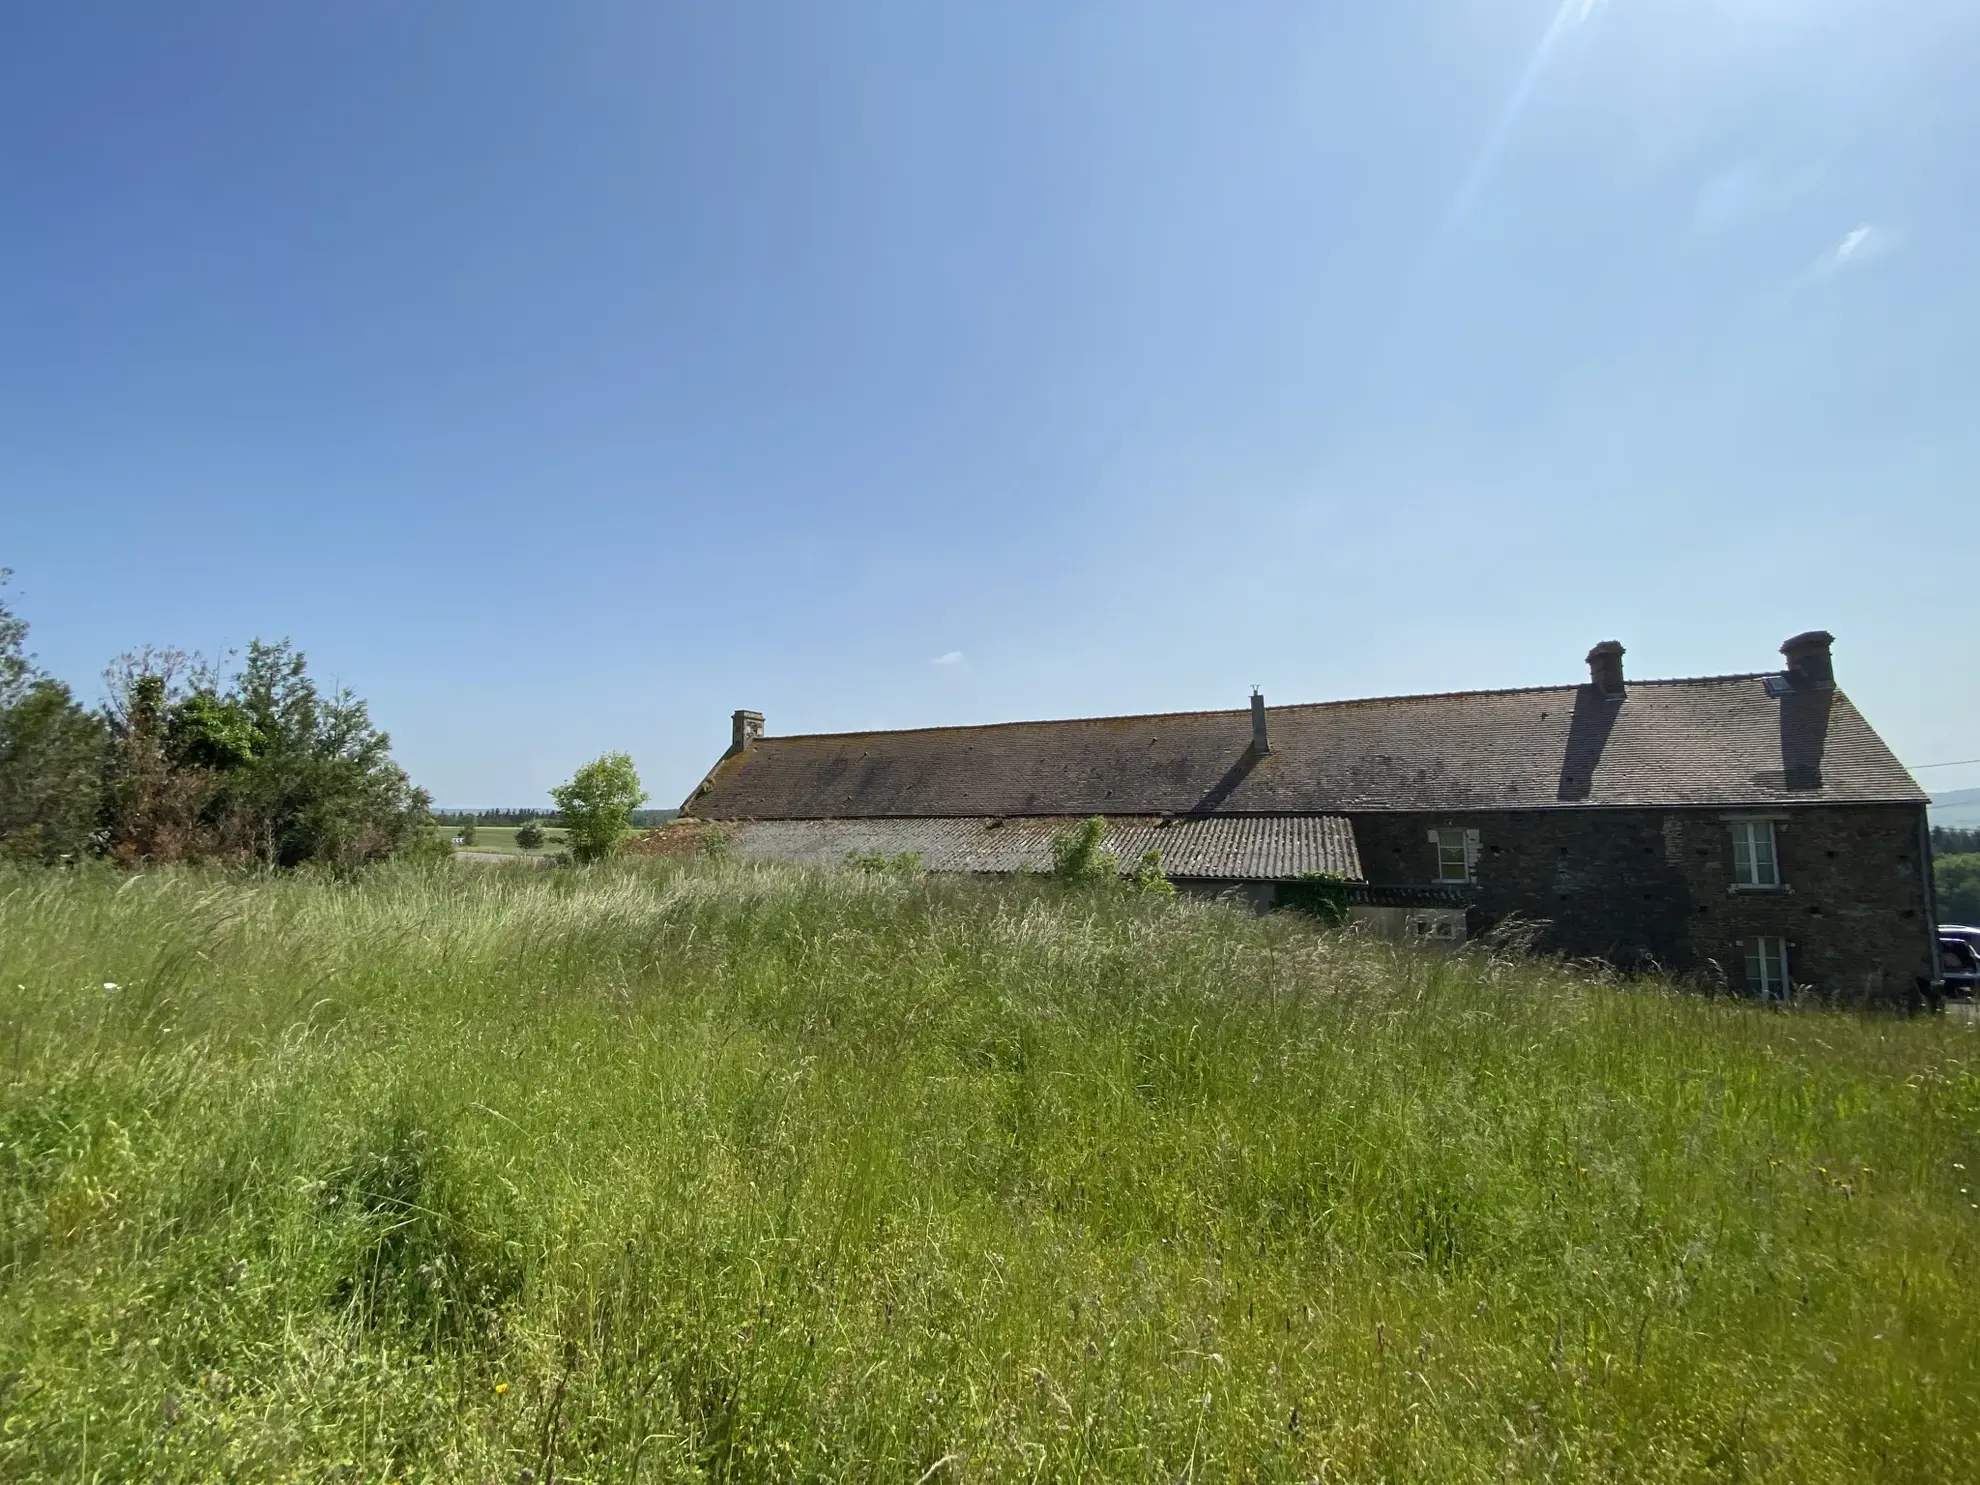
500	840
678	1171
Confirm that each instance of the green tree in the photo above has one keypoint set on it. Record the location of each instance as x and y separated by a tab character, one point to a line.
1077	856
321	784
1957	879
209	731
529	835
597	805
466	832
51	757
172	740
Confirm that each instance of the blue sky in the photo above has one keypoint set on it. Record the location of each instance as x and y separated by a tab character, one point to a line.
562	378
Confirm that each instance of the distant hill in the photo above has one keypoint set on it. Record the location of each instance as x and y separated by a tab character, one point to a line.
1959	810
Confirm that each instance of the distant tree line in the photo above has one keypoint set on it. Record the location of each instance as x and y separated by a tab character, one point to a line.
548	817
182	764
542	815
1956	874
1948	842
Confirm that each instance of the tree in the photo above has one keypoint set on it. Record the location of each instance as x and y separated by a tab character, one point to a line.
597	805
51	773
466	836
321	785
1077	856
529	835
1957	879
51	757
268	768
16	667
164	785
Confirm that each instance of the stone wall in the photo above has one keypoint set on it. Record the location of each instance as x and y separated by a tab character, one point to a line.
1654	887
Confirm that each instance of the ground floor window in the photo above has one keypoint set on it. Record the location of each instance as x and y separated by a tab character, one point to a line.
1766	968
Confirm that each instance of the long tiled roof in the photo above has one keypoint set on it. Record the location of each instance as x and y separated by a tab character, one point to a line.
1724	740
1226	849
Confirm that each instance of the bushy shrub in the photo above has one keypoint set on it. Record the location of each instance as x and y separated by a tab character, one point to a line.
1077	856
906	863
1148	876
529	835
1318	894
180	766
268	768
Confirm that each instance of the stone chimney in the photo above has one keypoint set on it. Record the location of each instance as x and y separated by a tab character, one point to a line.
1605	668
1259	743
1808	661
746	728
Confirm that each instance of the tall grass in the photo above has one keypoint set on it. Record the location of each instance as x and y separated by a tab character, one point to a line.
679	1171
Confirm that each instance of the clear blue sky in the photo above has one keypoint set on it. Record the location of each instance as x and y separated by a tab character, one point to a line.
563	377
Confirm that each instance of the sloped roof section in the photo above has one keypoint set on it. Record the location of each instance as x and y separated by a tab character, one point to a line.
1725	740
1226	849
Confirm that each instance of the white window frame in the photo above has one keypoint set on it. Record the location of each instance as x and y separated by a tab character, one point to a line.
1452	845
1767	967
1756	855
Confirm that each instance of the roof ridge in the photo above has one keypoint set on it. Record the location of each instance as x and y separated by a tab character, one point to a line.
1241	712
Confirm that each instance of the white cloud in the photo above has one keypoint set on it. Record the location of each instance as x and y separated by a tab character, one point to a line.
1859	245
954	657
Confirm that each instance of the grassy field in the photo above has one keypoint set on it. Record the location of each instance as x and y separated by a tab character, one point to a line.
501	839
683	1171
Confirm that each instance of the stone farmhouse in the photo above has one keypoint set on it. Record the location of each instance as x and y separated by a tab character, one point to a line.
1747	828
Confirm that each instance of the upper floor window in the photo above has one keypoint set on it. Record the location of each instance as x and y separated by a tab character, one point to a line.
1755	861
1457	854
1767	968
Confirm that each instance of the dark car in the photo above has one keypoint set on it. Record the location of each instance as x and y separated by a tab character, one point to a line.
1959	963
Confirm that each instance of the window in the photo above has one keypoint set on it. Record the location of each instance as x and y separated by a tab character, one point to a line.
1457	854
1438	926
1766	968
1755	862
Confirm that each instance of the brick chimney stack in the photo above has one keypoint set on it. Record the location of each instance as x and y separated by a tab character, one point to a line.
1809	663
1605	668
1260	744
746	728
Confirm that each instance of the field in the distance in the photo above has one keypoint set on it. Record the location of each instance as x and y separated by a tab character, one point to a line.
500	840
690	1170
